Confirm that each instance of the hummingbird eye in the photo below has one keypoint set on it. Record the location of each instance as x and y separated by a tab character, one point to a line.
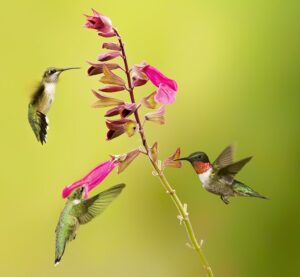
51	71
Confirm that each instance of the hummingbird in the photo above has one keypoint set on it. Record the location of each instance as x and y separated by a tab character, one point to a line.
219	177
42	100
78	211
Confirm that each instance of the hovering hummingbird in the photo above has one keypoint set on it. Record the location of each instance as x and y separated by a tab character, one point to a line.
218	177
78	211
42	100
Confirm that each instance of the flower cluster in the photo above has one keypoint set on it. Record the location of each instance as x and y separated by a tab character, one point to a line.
122	117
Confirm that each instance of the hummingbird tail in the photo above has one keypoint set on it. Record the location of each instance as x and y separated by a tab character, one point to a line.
57	261
243	190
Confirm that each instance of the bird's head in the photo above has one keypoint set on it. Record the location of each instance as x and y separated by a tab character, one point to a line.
76	194
52	73
199	160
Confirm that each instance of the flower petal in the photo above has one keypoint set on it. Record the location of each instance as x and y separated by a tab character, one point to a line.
165	94
112	88
92	179
111	78
157	78
105	101
172	161
99	22
149	101
108	56
126	159
111	46
96	68
157	116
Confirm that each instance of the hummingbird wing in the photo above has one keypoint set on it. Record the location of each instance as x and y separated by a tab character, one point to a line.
225	158
90	208
38	122
231	170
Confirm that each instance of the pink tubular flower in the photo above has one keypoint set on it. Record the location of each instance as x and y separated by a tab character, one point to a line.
92	179
167	88
101	23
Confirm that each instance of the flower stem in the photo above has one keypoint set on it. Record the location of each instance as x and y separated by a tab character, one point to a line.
182	209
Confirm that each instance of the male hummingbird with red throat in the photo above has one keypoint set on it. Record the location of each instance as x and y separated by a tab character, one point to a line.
218	177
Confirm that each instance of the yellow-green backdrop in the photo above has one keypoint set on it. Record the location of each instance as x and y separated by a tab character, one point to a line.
237	66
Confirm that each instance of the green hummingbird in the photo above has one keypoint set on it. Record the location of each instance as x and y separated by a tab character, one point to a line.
78	211
42	100
218	177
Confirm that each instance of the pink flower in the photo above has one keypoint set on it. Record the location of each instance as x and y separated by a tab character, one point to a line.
167	88
101	23
92	179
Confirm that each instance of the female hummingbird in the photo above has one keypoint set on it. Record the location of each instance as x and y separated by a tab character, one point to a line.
78	211
218	177
42	100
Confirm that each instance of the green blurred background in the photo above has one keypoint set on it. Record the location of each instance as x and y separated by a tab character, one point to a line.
237	66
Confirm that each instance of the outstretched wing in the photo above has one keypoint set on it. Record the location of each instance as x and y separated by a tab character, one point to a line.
225	158
38	122
94	206
232	169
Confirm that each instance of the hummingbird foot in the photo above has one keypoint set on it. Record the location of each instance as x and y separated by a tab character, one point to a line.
225	199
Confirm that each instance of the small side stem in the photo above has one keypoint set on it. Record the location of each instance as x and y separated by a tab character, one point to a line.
169	189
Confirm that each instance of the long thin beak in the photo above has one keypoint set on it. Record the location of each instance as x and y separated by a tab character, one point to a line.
183	159
68	68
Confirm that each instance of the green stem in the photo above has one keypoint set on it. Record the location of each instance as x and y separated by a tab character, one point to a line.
182	209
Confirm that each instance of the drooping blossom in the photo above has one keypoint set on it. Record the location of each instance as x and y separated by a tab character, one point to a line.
118	127
101	23
92	179
124	110
158	116
167	88
97	68
126	159
139	78
104	101
173	161
149	101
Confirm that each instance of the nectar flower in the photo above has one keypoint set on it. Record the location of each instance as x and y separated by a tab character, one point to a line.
126	159
101	23
157	116
104	101
92	179
149	101
173	161
124	110
119	127
167	88
97	68
139	78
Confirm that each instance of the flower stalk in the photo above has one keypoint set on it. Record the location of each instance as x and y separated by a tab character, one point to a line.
182	208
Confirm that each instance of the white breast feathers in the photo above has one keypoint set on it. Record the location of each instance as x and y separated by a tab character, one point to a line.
205	177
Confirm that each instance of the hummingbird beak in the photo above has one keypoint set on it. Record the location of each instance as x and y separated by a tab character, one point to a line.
183	159
68	68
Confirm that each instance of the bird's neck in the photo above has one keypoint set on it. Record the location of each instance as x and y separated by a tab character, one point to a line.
50	88
201	167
